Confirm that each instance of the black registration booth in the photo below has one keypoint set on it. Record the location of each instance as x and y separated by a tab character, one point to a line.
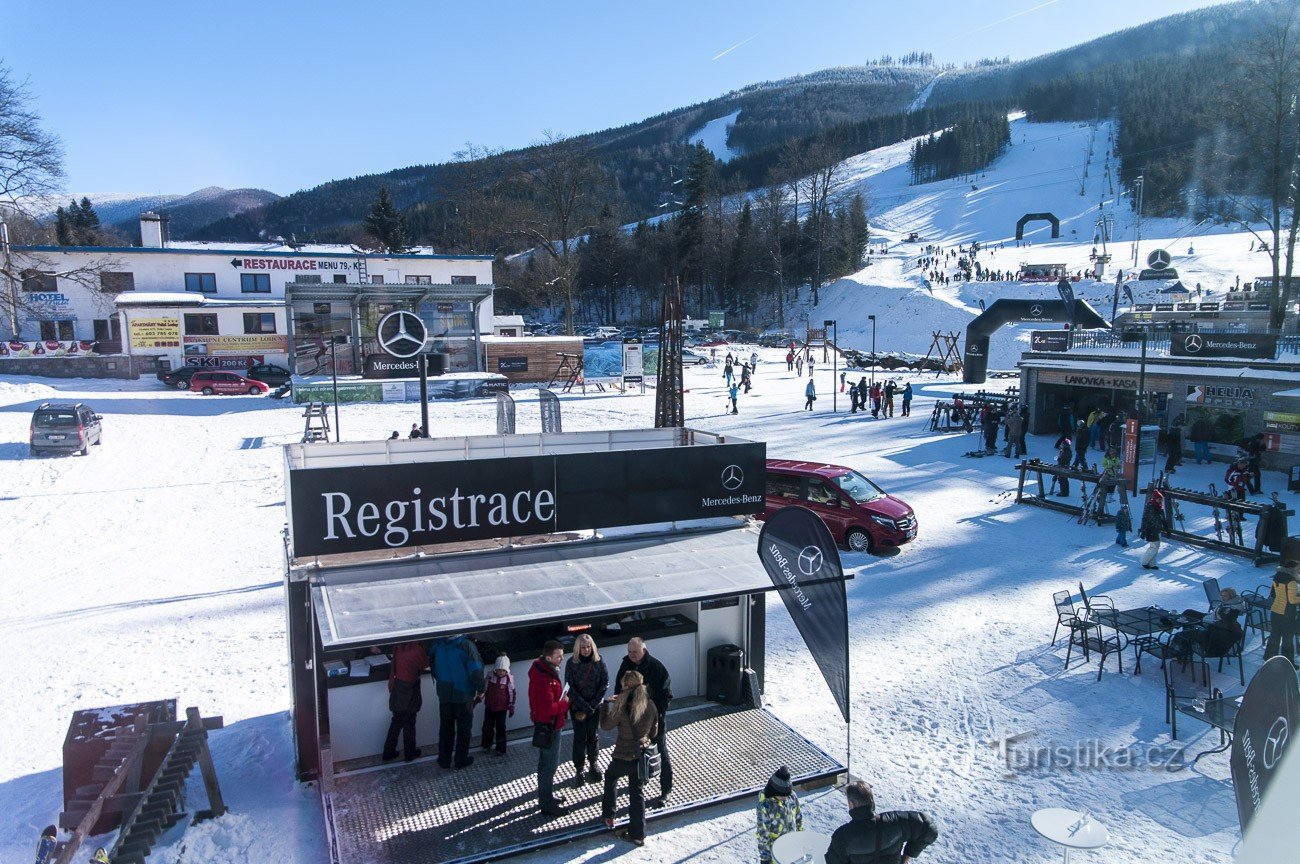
513	540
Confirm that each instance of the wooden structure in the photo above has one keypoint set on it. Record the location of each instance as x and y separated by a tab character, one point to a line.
1229	518
817	338
943	347
142	803
316	423
527	359
1041	491
949	416
568	371
670	402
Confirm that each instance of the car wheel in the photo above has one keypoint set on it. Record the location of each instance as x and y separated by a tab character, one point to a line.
84	451
182	384
36	451
207	391
859	540
254	391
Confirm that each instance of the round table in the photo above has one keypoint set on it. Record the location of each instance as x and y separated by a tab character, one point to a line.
1065	828
801	847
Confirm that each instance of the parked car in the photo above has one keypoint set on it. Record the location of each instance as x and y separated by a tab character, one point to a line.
693	358
269	374
64	427
178	378
208	383
859	514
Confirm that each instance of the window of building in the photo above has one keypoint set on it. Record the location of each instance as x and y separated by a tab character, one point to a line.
34	280
201	325
108	330
377	279
464	280
419	280
259	322
205	283
340	279
307	280
60	330
255	283
113	283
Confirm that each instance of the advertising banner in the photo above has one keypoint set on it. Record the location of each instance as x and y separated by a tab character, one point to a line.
19	350
1255	346
602	360
550	407
633	361
512	364
384	366
372	507
1262	733
241	363
803	562
1049	340
717	318
505	414
253	343
155	332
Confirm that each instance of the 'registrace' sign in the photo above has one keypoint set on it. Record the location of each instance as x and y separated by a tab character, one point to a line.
363	508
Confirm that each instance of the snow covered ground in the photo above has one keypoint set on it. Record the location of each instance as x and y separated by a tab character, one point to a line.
152	568
714	137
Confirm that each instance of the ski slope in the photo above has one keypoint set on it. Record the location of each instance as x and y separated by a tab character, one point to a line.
714	137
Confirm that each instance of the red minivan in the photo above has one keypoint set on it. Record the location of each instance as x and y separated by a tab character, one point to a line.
859	514
208	383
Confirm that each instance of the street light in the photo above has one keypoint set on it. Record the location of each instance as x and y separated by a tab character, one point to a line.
872	319
834	362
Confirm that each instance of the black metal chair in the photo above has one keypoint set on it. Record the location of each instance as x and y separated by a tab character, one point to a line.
1202	655
1101	616
1067	616
1159	646
1258	611
1212	592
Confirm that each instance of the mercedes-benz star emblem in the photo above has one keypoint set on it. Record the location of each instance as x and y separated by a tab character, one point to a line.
1275	743
401	334
1193	343
732	478
1036	311
1159	259
810	560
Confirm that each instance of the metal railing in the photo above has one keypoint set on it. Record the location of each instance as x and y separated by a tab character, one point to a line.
1158	343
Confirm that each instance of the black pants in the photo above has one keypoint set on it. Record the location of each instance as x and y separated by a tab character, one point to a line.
586	742
665	764
453	732
494	730
635	792
1281	637
403	723
1255	478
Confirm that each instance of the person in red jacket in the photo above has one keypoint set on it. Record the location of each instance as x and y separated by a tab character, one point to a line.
547	703
404	700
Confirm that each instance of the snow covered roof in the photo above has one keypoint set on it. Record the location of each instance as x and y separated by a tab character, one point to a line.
425	597
1085	364
189	299
328	250
508	320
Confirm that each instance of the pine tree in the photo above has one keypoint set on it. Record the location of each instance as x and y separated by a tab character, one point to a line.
385	224
87	224
63	228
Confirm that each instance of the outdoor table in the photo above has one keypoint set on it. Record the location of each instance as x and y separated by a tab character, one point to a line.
800	847
1219	711
1066	828
1142	625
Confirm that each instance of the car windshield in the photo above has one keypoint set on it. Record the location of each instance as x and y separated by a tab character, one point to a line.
56	419
858	488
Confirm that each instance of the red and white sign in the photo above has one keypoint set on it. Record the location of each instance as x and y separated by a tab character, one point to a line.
16	350
202	362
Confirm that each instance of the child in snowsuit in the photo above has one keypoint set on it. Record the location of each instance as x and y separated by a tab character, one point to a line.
498	703
734	390
1123	525
778	813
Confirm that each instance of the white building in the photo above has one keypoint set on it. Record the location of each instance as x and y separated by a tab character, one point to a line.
180	302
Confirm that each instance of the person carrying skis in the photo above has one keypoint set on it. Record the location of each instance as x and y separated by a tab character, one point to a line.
810	392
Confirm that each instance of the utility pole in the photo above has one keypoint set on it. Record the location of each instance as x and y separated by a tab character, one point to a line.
1137	220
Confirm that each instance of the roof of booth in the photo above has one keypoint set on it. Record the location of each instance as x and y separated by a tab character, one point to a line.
419	598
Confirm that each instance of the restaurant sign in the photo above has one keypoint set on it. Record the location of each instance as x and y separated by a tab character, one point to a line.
375	507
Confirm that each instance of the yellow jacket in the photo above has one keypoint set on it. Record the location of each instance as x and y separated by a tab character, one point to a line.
1288	596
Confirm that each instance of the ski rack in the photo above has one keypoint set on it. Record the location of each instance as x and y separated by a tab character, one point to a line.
943	419
1235	514
1039	497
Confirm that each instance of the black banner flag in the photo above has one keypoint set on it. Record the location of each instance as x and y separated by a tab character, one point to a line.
505	414
801	557
1265	724
550	407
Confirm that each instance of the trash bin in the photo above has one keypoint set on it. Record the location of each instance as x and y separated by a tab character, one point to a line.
725	674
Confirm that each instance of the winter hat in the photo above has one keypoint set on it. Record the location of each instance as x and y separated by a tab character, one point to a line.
503	663
779	784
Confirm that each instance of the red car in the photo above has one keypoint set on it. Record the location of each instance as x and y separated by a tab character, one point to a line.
209	383
859	514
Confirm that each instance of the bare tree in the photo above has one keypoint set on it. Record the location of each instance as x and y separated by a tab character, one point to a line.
563	182
770	215
31	171
823	185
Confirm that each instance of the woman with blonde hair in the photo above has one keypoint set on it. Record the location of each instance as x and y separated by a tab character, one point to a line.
635	717
588	679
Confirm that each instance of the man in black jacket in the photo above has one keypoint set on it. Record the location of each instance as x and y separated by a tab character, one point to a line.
890	838
660	685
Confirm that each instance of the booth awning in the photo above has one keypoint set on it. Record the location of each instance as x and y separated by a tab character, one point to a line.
426	597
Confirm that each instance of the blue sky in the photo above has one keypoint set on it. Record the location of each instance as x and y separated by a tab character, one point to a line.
285	94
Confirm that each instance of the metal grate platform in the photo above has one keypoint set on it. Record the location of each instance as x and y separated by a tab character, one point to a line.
421	813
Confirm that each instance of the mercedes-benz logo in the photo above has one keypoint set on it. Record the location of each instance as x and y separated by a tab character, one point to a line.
1036	311
1275	743
810	560
401	334
1193	343
732	478
1159	259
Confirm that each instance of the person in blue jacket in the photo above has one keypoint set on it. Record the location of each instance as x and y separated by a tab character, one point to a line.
458	669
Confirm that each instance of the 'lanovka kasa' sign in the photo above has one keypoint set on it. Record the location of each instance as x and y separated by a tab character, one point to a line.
355	509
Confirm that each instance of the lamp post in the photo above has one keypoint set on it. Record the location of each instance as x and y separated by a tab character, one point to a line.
872	319
834	363
334	374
